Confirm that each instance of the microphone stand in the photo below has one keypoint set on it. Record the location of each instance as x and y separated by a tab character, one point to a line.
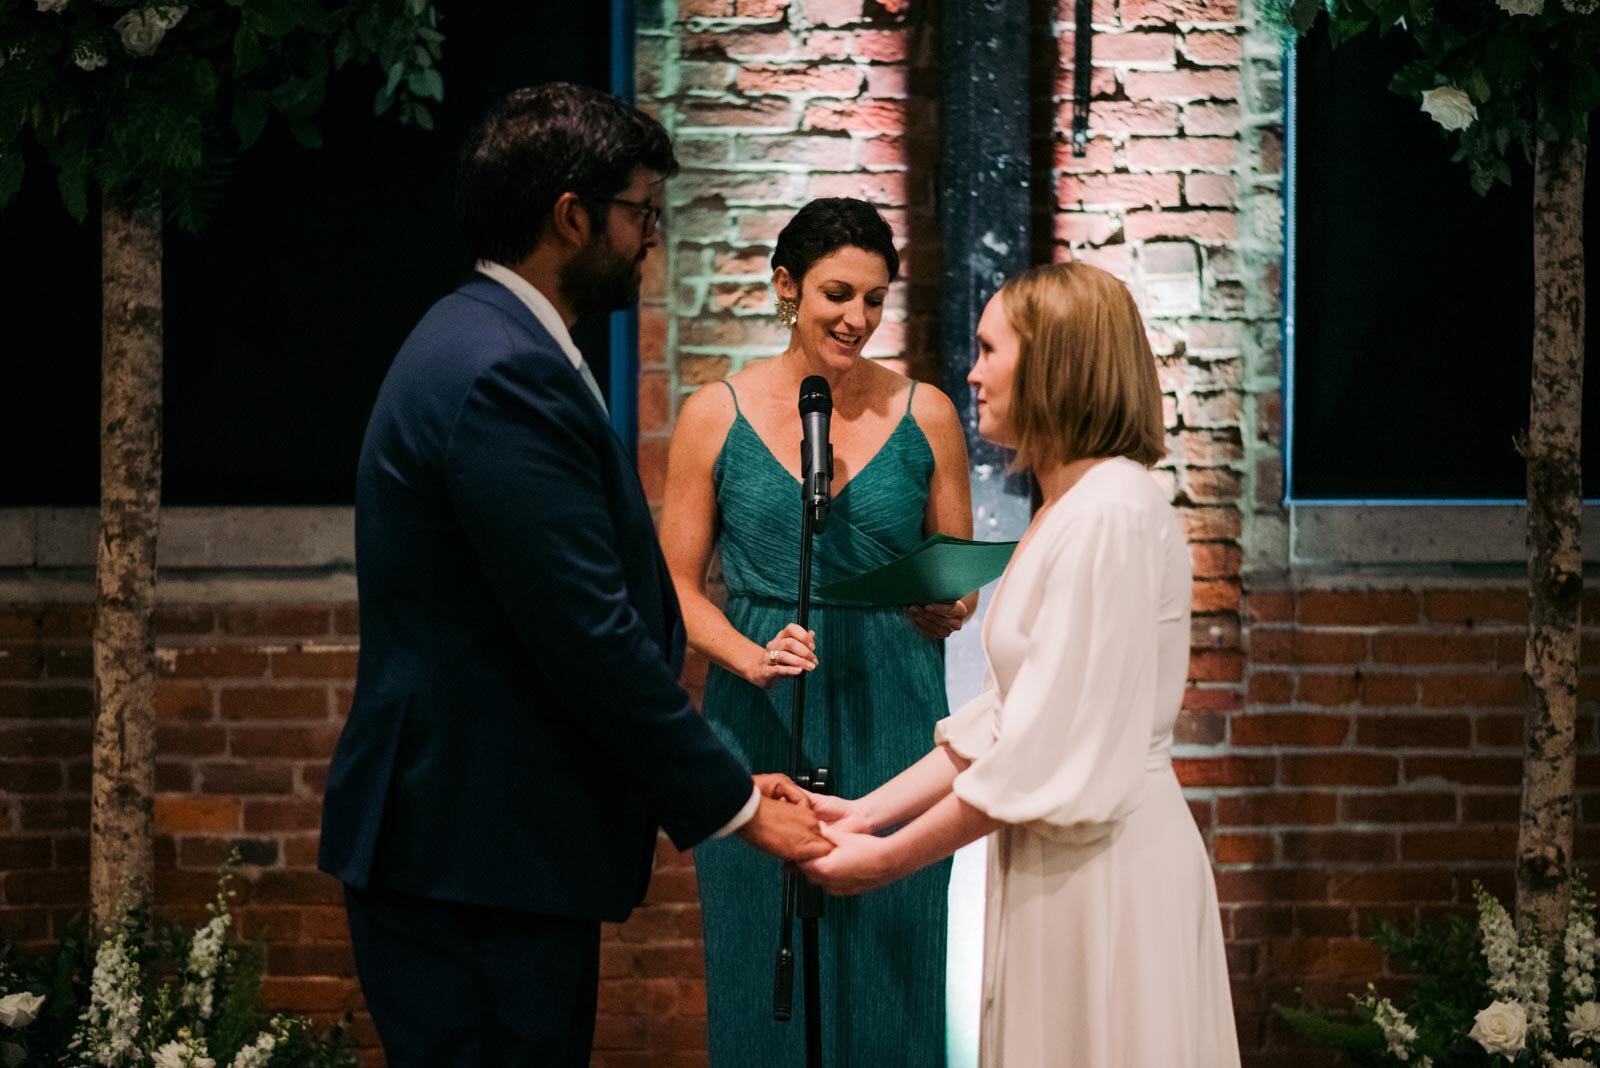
798	894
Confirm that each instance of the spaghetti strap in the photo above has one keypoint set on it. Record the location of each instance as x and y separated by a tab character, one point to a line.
735	396
913	393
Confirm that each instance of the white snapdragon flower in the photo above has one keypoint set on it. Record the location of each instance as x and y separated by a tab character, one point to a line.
1499	937
1581	7
1533	986
142	29
186	1052
1449	107
205	955
1578	954
108	1030
1501	1028
19	1010
1568	1062
1396	1032
1521	7
257	1054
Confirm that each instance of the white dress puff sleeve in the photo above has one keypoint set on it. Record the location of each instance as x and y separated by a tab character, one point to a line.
1060	746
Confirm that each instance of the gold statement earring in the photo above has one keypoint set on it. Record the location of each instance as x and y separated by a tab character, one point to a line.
788	312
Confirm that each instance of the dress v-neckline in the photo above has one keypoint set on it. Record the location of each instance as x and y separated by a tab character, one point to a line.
790	475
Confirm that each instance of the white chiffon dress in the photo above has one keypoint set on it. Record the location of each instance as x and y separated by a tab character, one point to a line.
1102	939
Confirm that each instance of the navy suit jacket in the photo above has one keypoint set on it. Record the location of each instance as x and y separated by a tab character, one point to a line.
518	731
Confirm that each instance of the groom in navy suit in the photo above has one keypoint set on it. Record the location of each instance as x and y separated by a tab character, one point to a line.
518	732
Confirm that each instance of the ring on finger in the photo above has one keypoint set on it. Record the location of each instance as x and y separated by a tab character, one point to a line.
772	656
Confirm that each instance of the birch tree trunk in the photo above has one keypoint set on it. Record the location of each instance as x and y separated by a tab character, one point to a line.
1555	559
120	850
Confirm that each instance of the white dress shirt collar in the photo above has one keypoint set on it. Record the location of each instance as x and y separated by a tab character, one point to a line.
544	311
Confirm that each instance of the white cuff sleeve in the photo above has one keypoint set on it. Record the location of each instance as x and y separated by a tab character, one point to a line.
744	815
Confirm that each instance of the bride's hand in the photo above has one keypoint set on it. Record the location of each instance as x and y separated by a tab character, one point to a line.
858	863
790	652
841	813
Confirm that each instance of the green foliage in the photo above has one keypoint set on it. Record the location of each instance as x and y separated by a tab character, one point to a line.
1528	77
169	1010
152	100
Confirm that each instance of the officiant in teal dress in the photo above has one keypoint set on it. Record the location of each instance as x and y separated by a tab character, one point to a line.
876	674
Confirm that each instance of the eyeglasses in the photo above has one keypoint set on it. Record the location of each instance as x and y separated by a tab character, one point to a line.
652	214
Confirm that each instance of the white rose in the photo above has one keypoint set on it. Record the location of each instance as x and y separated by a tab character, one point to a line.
142	30
53	5
18	1010
1583	1022
1449	107
1501	1028
1521	7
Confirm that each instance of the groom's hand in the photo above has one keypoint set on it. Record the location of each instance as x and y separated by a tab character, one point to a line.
780	787
788	831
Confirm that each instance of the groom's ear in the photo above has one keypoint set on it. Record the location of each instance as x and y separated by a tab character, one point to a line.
570	223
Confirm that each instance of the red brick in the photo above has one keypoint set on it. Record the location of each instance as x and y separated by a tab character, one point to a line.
283	741
309	994
1339	846
1392	807
1499	731
1210	226
1272	885
1468	770
1476	606
1303	957
1269	606
312	662
1339	769
1118	118
216	663
881	46
317	960
182	813
268	815
1357	608
1182	153
1271	687
276	703
1395	885
1191	84
46	702
1213	595
66	740
297	888
833	12
1211	119
246	778
822	81
1211	46
1207	666
1306	647
1315	689
1474	843
46	887
1243	849
875	187
1378	690
1117	190
182	702
1471	691
276	620
765	112
52	813
1211	699
187	739
1414	732
1224	771
1290	729
861	116
1405	648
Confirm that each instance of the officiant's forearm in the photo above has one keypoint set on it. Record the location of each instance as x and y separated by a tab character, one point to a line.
913	791
710	634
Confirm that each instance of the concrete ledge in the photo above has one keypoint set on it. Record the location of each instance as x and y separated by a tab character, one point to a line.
190	538
1331	535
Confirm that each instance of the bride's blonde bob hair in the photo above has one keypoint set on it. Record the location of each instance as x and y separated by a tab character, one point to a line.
1085	382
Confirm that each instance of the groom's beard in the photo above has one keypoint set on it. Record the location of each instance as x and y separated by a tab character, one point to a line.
601	279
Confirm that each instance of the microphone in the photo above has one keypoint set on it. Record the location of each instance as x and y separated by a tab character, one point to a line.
816	454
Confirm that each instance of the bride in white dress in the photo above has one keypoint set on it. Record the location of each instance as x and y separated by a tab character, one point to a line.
1103	943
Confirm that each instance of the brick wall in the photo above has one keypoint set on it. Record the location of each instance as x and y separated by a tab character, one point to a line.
1350	743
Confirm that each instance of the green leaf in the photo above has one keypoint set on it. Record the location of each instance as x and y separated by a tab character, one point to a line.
73	181
344	50
416	7
426	83
1415	77
422	117
1477	86
12	1054
306	133
246	50
249	118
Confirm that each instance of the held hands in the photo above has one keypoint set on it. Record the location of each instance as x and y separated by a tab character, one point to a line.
791	651
841	814
858	863
784	824
938	621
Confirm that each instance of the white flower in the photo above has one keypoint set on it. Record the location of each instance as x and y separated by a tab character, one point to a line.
108	1030
1578	952
188	1052
257	1053
1501	1028
18	1010
1449	107
88	57
1521	7
1499	937
53	5
1583	1022
1581	7
205	954
142	30
1568	1062
1396	1032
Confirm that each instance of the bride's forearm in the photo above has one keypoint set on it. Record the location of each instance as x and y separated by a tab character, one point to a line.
912	792
950	824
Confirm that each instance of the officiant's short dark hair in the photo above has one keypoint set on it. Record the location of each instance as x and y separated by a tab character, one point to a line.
539	143
828	224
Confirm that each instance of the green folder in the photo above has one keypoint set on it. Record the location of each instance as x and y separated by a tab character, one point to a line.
940	569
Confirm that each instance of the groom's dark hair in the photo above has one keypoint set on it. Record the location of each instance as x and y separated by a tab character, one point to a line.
539	143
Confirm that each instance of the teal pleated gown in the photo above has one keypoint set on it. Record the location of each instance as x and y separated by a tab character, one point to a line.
871	705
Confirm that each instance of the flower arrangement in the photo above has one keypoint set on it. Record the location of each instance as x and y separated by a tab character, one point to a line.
177	999
1482	996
